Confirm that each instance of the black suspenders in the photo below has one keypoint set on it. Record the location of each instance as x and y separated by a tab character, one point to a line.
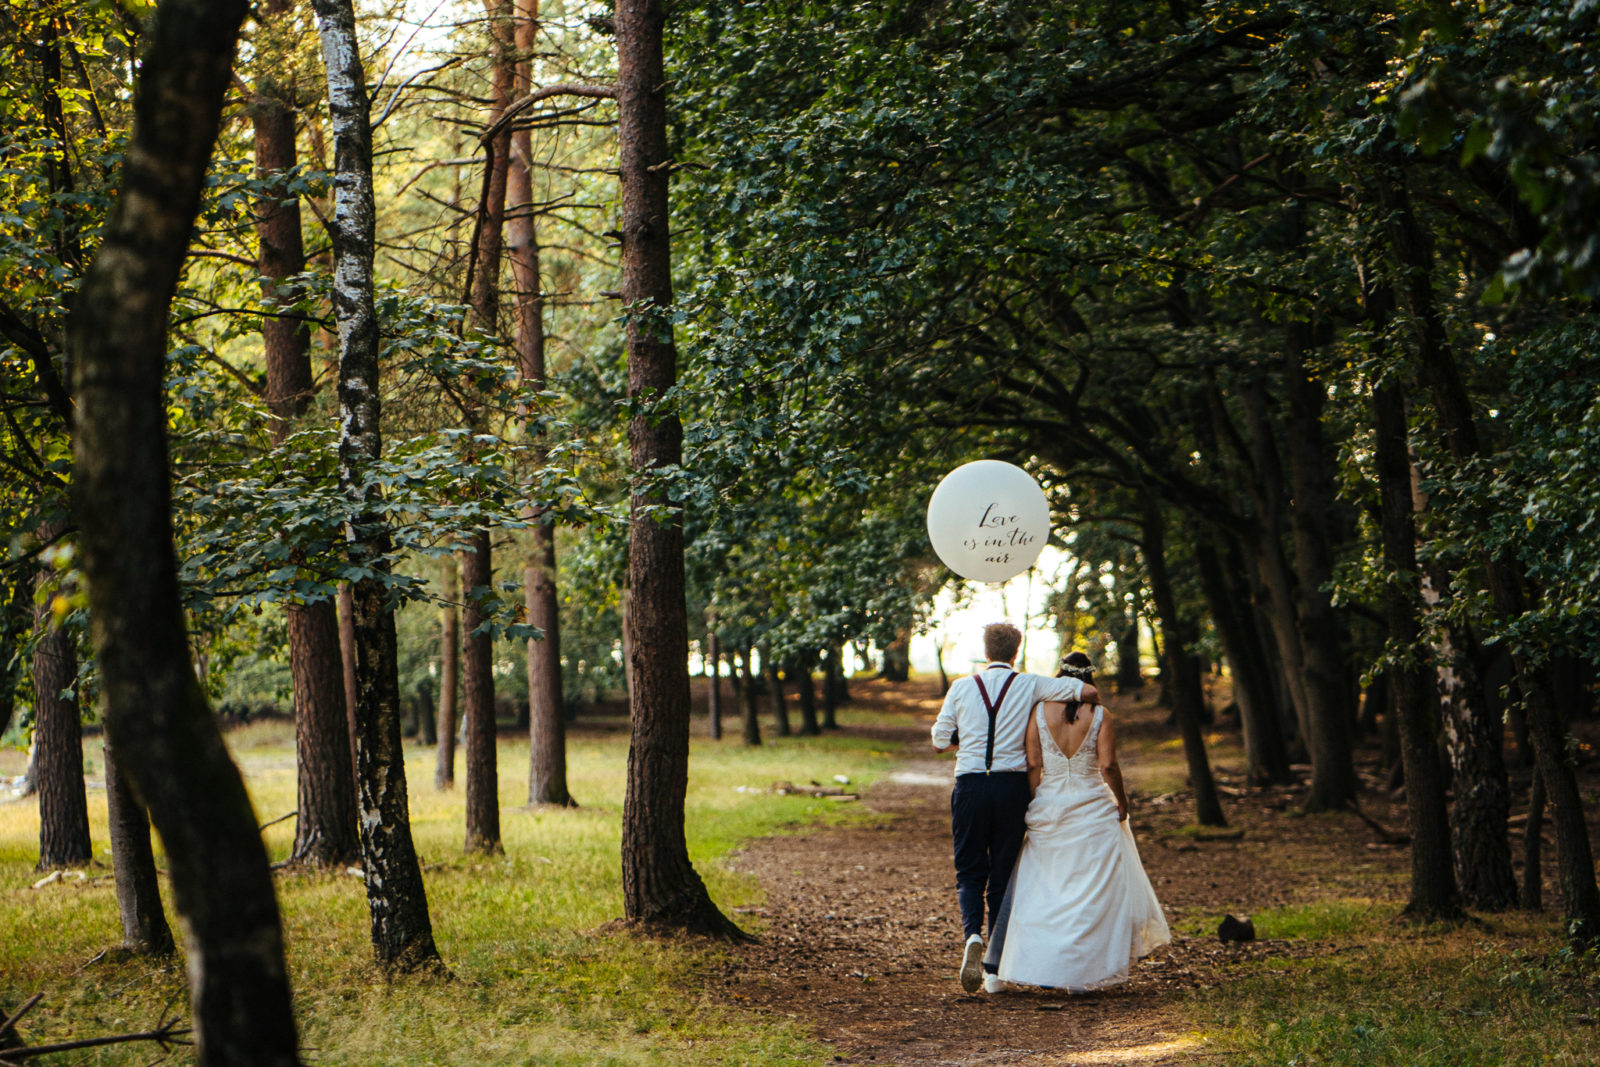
993	708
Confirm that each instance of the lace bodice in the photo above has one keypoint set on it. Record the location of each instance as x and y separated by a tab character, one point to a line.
1081	763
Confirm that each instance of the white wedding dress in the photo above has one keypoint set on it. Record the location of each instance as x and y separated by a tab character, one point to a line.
1080	908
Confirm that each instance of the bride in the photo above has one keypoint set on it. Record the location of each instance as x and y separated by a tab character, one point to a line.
1080	907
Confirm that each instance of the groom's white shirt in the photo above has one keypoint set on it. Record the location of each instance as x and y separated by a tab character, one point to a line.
963	713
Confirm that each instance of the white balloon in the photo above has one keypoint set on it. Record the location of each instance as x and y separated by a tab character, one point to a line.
988	520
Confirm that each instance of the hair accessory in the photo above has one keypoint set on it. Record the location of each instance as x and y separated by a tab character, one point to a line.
1083	671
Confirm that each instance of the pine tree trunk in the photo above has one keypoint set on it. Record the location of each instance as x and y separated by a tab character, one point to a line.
1188	697
1433	884
58	740
547	720
156	716
477	663
325	834
1129	677
144	925
659	886
402	932
444	774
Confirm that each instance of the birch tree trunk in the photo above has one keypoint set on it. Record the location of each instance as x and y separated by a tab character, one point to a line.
156	715
659	885
402	932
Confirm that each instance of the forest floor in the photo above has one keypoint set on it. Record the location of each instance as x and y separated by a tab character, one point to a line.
860	936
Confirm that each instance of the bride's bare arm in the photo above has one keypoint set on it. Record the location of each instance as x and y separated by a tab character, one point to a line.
1110	770
1035	751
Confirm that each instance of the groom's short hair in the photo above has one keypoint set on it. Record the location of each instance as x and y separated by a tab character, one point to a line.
1001	641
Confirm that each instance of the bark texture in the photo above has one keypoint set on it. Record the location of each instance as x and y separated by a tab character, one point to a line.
477	692
156	715
144	925
58	742
325	831
402	932
659	885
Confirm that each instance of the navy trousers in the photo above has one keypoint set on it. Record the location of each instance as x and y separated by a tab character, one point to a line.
988	816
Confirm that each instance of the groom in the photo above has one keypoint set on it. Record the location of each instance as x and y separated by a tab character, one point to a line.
987	716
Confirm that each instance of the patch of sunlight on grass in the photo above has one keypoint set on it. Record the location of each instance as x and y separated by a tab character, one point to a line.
537	982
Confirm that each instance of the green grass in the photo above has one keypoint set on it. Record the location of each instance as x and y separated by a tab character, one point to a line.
1379	991
538	978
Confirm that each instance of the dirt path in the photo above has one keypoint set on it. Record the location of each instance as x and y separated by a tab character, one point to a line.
860	934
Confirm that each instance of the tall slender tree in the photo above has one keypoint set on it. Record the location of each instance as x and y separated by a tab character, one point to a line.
325	826
58	736
659	885
161	730
547	728
402	931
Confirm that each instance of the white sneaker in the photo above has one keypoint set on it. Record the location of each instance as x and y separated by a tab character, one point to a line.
993	984
972	964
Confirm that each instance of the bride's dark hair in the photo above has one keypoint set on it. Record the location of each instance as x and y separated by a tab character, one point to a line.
1079	666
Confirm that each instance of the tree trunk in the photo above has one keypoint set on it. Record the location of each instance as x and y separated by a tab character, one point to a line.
16	615
444	774
1481	797
780	706
428	730
1433	883
832	687
897	657
714	699
752	718
58	740
1333	771
346	611
156	716
325	831
1129	677
144	925
477	690
659	885
1266	756
547	720
1533	847
402	932
1574	856
800	670
325	834
1183	670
